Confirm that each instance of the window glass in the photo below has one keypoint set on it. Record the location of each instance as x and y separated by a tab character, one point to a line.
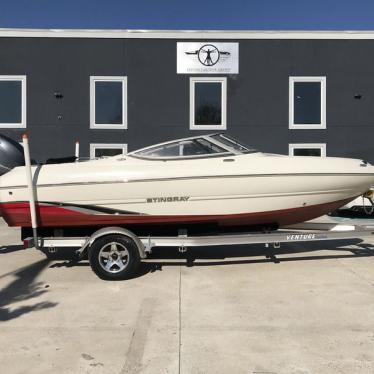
10	101
307	152
108	103
210	147
208	103
108	152
307	103
167	150
191	148
233	143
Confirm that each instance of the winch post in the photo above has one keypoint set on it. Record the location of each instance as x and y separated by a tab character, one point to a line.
30	187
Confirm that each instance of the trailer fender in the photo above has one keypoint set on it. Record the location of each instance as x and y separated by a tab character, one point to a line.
113	230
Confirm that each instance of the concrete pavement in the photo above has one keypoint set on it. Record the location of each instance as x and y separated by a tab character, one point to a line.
308	310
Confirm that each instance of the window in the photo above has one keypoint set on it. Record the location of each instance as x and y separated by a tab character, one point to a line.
208	103
308	149
107	150
108	106
307	103
12	101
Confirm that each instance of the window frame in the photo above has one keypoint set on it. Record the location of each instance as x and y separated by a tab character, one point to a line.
291	120
223	81
94	146
293	146
93	80
23	79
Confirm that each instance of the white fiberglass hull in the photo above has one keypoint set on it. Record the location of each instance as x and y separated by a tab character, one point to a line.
248	189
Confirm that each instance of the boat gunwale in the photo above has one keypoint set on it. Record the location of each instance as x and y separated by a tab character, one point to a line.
46	185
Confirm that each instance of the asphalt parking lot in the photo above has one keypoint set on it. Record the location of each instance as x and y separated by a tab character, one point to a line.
308	309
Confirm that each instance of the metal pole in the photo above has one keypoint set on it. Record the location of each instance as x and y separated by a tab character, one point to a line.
30	186
77	149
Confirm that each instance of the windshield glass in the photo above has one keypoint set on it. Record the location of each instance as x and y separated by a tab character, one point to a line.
233	143
182	148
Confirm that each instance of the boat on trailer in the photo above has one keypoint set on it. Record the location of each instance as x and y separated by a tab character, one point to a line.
114	210
203	180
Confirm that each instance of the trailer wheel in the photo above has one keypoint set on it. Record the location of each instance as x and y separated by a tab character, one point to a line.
114	257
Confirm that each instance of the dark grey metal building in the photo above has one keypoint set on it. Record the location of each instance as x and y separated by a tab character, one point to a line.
117	90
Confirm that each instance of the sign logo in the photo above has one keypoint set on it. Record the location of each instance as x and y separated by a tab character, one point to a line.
207	58
209	54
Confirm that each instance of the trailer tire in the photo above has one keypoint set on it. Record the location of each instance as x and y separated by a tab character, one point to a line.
114	257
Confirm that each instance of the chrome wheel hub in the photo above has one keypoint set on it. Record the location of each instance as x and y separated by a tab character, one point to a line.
113	257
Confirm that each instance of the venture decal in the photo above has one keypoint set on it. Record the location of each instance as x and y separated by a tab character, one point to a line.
298	237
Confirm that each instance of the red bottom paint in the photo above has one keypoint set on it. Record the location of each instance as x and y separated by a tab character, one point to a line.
18	214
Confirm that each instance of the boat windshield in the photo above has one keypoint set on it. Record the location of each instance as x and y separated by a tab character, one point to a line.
214	145
183	148
233	143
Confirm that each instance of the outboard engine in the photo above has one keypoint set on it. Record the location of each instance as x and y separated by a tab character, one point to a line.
11	154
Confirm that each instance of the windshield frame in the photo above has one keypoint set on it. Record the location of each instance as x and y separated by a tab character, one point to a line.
229	151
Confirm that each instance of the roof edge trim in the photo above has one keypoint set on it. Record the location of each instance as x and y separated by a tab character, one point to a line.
186	34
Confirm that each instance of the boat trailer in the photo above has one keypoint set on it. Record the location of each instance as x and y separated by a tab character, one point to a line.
137	248
183	241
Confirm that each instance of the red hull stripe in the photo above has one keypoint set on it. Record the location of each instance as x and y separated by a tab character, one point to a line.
18	214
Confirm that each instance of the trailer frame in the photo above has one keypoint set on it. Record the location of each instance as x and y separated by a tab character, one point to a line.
183	241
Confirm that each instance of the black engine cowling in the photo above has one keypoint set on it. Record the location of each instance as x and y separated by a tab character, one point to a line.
11	154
